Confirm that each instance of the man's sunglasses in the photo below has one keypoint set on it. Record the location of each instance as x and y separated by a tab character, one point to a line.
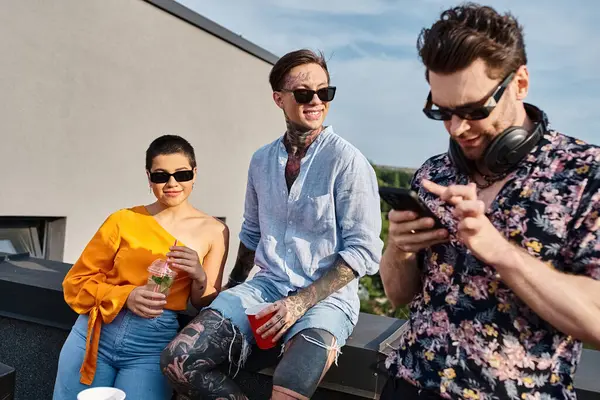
305	96
470	112
163	177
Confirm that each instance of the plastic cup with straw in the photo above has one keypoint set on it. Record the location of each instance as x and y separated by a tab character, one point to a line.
161	277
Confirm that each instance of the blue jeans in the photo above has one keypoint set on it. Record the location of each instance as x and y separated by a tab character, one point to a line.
128	356
232	303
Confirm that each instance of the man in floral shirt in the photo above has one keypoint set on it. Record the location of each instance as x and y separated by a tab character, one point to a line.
501	299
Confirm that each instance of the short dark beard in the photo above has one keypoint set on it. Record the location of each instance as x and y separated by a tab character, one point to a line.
505	120
505	116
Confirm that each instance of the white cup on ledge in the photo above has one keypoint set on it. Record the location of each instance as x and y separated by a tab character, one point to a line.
101	393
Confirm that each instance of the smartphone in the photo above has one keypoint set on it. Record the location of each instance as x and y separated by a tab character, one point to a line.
407	200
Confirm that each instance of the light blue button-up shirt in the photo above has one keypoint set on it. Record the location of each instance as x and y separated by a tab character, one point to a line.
332	208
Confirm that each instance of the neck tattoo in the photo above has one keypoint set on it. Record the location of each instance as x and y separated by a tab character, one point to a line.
297	140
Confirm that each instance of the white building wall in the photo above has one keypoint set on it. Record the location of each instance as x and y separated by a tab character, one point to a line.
87	85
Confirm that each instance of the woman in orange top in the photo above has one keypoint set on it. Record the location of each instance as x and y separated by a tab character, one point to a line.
124	324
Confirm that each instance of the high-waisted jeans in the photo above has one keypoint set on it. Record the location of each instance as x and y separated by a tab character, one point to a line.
128	356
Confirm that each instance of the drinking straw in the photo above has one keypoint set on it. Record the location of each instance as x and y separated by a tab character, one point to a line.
157	287
175	244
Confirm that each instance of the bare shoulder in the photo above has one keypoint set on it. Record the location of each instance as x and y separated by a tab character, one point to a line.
208	225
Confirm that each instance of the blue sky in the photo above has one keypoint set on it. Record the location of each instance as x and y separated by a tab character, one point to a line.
381	87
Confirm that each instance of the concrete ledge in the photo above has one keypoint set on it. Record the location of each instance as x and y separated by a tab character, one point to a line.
587	377
35	321
7	382
360	369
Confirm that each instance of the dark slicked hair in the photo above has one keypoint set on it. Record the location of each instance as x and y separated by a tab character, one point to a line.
469	32
291	60
170	144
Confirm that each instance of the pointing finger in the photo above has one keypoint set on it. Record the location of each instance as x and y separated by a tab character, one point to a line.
456	193
434	188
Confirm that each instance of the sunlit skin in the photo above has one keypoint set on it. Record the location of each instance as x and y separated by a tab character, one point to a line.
203	240
172	193
473	85
530	279
470	86
304	121
304	124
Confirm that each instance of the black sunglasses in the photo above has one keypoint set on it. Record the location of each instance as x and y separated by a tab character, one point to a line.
163	177
305	96
468	112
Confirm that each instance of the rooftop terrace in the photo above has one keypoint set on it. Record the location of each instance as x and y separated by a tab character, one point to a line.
35	321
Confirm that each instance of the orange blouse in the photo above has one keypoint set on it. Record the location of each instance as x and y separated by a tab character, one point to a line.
113	263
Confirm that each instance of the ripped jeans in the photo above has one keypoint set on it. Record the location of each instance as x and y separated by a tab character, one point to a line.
222	334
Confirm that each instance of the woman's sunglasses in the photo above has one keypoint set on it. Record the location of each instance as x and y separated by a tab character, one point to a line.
305	96
469	112
163	177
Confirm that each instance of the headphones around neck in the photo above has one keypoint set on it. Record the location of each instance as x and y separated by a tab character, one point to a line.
507	149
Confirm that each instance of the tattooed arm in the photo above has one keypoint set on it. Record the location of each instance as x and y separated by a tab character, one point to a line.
243	266
358	216
249	235
336	278
291	308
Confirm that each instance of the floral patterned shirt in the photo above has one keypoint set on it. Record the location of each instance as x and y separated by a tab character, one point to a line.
469	336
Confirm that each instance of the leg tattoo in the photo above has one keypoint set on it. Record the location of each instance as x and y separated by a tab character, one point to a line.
191	360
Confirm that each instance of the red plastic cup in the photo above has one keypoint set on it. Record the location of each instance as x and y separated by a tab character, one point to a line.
256	323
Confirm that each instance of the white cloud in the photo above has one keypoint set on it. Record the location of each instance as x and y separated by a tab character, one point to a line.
381	89
348	7
378	108
276	25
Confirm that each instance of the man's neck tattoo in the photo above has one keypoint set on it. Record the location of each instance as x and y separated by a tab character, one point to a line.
297	140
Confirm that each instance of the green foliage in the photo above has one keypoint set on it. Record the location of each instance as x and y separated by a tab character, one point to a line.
377	302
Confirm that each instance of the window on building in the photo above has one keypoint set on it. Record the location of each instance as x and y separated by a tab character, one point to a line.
41	237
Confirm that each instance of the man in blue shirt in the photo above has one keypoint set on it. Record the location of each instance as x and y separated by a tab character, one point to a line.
311	225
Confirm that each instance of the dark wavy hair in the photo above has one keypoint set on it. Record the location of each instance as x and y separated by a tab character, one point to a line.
291	60
469	32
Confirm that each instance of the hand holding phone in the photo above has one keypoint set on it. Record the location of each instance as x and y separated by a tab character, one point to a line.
413	226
